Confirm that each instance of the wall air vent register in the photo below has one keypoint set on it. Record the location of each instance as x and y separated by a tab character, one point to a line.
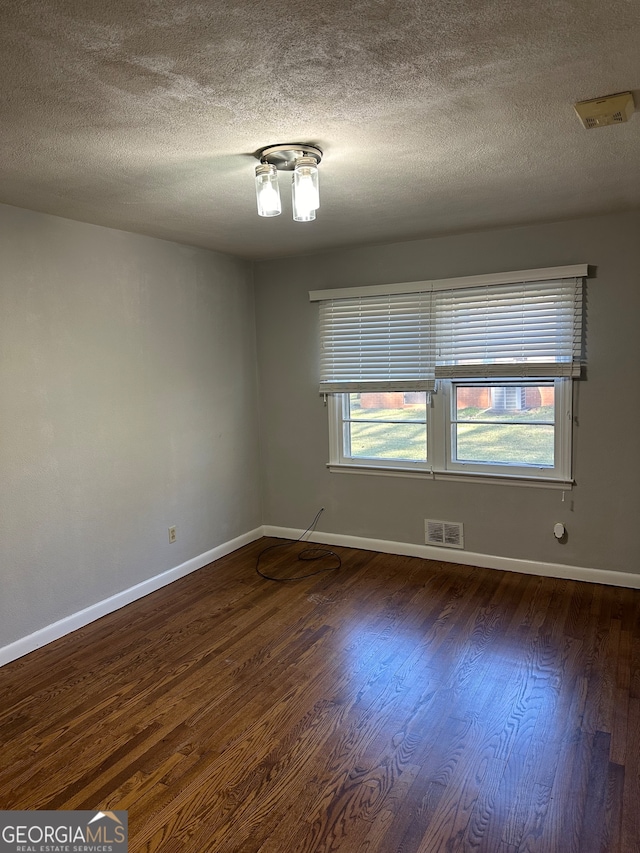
444	534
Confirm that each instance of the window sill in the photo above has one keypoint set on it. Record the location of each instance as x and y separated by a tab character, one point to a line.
453	476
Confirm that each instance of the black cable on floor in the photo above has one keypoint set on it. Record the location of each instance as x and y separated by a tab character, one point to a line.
307	554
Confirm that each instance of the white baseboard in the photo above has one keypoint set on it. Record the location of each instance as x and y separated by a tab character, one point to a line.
95	611
467	558
83	617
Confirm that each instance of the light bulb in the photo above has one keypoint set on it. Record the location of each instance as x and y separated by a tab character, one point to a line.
267	192
305	191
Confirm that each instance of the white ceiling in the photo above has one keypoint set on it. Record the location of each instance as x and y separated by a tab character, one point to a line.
435	117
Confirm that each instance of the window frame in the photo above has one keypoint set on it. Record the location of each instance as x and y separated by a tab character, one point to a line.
338	408
561	469
439	426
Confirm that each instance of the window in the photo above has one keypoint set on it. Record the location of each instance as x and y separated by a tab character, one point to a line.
503	424
506	429
388	428
461	377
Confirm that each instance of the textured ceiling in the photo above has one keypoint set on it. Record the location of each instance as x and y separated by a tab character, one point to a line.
435	117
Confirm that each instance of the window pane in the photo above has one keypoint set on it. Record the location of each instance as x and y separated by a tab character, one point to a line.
495	403
501	424
388	406
387	425
389	441
520	444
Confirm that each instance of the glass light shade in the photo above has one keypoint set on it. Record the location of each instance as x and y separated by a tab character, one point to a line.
305	191
267	192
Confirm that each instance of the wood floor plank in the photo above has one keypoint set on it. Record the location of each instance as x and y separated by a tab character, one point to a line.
594	823
397	705
533	829
612	830
631	789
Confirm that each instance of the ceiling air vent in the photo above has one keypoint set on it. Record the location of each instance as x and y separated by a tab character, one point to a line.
599	112
444	534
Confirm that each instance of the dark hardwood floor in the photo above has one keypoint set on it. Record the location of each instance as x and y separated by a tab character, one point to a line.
394	706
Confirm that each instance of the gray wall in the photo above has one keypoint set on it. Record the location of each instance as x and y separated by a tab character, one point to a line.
602	511
127	404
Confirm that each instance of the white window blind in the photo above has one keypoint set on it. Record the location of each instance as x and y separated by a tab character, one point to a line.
519	330
523	324
377	343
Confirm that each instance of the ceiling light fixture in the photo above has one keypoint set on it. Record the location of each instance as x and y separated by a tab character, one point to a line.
303	161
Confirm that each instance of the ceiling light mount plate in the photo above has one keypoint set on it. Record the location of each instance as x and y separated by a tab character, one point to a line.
284	157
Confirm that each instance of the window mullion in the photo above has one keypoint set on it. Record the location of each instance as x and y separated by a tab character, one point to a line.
437	428
335	406
564	426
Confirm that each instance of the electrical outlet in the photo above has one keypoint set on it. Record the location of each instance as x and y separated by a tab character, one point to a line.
172	534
